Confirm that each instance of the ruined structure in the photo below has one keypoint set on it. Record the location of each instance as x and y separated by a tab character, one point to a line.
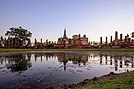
116	39
100	42
75	42
14	43
38	44
127	42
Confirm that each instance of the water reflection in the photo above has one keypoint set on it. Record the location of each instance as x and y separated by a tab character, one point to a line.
17	62
22	62
50	69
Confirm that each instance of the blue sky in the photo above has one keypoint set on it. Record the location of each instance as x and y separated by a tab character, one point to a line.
47	18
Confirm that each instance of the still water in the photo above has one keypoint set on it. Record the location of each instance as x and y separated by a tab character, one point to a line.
46	69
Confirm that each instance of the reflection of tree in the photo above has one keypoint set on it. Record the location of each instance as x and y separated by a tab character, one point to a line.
20	65
18	62
21	62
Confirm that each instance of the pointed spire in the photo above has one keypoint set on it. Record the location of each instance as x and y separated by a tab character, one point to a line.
79	36
64	33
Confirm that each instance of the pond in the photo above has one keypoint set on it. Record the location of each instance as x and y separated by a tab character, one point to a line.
43	69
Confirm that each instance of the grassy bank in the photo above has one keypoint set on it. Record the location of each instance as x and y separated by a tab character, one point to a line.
75	49
110	81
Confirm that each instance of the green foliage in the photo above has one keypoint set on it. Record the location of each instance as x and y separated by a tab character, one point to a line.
121	81
19	33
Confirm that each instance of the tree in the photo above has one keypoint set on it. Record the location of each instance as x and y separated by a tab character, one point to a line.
19	33
19	36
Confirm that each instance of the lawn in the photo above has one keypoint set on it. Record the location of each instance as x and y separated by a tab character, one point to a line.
111	81
67	49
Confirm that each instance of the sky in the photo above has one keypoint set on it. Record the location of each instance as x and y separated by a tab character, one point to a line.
47	19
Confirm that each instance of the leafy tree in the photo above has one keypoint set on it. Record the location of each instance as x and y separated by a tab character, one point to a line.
19	63
20	36
19	33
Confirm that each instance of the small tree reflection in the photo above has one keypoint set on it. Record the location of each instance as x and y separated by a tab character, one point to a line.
19	63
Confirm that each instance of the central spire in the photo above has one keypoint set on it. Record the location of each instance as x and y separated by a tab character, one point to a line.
65	35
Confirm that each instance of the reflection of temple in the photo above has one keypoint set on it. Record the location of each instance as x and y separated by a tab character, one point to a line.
21	62
76	41
117	61
76	59
127	42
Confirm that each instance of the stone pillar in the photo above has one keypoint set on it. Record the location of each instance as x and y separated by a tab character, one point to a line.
41	43
121	40
125	39
46	41
101	41
41	40
120	37
106	41
116	39
116	35
111	39
35	43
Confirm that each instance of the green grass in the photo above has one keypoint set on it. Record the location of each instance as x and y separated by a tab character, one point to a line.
72	49
120	81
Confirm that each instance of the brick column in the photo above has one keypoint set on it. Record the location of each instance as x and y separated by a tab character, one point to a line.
116	39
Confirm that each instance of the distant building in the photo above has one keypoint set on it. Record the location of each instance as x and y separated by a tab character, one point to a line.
75	42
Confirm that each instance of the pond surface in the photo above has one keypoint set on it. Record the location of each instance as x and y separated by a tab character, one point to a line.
45	69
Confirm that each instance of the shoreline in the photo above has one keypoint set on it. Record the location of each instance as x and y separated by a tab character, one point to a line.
112	80
91	49
6	51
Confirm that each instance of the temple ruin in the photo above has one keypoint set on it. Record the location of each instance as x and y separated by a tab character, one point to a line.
75	42
118	42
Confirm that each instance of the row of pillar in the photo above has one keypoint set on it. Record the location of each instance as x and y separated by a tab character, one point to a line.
116	41
13	42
